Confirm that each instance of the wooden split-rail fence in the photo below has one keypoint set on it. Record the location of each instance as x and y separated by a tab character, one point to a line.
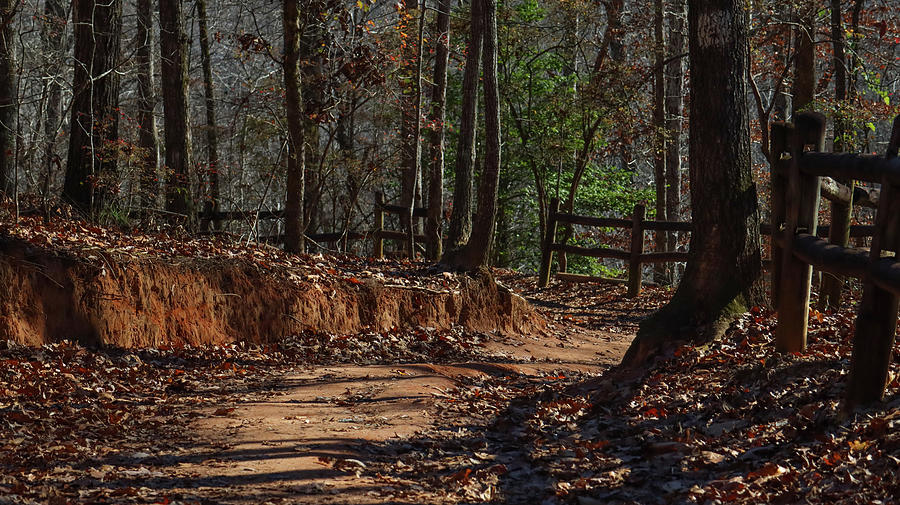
801	175
798	171
380	234
634	257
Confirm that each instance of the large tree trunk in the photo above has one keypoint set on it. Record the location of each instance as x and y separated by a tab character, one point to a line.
293	208
7	97
211	205
723	272
91	170
433	223
477	251
461	216
674	106
148	136
174	52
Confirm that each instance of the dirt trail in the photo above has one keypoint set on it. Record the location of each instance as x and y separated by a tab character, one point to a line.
310	441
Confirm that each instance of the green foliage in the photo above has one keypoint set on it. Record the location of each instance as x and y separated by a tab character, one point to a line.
113	214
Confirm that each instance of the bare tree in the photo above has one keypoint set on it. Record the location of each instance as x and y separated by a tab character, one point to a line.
7	97
94	128
148	137
674	111
211	205
174	51
433	224
294	226
461	217
477	250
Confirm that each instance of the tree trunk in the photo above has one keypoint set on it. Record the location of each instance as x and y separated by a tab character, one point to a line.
839	232
174	53
91	169
723	272
148	137
312	39
434	221
414	147
52	32
674	111
461	216
477	251
8	99
659	128
211	205
611	47
293	208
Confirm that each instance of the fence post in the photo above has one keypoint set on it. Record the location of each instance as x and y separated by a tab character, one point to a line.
546	247
876	319
378	250
781	132
637	248
838	234
796	276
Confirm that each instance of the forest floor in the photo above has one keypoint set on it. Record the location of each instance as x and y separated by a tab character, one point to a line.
429	415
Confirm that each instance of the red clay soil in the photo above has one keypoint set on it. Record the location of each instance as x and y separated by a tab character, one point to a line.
101	297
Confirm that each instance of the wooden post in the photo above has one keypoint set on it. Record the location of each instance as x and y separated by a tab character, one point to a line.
378	250
637	248
876	320
780	162
838	234
549	239
796	276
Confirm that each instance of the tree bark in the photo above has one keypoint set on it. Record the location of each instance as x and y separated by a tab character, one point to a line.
313	37
211	205
293	209
148	136
674	111
174	52
477	251
434	221
52	32
91	168
414	147
723	272
8	98
659	129
461	216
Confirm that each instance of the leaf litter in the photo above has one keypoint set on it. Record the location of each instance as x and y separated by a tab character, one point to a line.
729	422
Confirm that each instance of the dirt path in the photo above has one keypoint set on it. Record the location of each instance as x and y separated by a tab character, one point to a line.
311	440
418	415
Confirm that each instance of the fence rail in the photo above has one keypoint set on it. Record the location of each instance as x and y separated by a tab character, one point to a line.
635	261
380	234
796	187
635	256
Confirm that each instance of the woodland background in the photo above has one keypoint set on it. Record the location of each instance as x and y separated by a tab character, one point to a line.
138	112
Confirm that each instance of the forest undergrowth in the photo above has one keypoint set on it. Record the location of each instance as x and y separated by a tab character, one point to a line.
729	422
